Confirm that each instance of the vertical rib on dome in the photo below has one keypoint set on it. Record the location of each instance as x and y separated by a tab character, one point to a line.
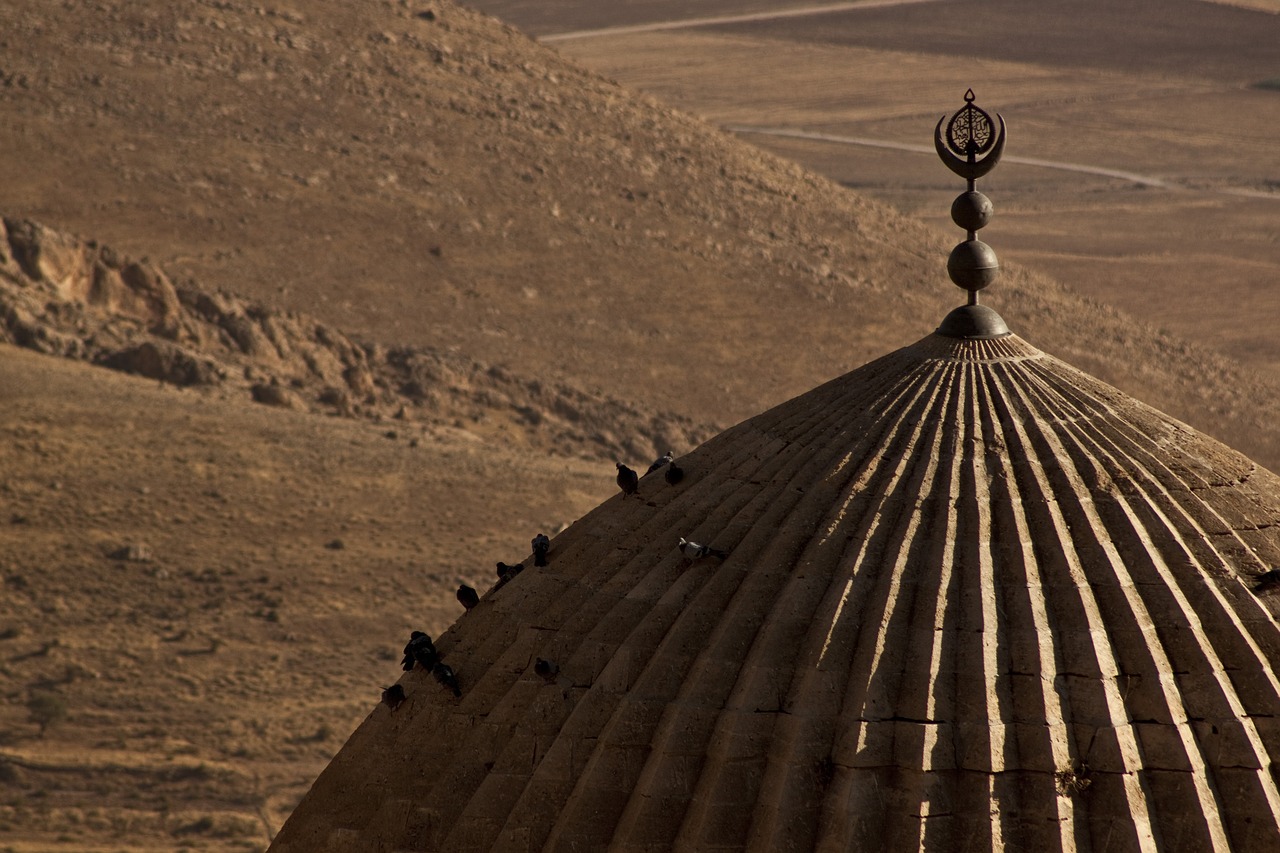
974	599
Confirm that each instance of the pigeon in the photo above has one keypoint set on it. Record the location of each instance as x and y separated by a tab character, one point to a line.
445	675
660	461
419	650
694	551
467	596
674	474
392	696
628	480
506	573
547	669
541	545
1267	581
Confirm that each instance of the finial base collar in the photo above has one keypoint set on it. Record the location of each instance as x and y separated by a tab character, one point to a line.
973	322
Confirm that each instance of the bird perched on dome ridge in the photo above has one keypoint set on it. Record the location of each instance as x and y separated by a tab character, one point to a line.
628	480
694	551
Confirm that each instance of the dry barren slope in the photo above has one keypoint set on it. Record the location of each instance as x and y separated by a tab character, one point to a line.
423	175
215	590
63	296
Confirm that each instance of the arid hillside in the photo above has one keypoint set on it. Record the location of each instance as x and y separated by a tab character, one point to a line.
421	175
210	565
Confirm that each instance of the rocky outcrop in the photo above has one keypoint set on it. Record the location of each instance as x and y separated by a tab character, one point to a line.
77	299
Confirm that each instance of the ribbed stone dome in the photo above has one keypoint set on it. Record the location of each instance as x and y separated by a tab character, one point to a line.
974	600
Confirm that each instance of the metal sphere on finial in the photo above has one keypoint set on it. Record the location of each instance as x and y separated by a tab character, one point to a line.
971	210
970	145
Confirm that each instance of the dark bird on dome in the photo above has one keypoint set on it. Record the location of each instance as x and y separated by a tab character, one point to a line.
660	461
674	474
541	545
694	551
445	675
1267	581
506	573
419	650
467	596
393	696
547	670
628	480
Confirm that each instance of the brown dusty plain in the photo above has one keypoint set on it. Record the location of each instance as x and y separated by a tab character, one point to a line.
208	679
441	181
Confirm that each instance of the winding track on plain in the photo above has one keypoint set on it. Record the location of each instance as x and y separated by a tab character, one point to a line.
721	20
798	133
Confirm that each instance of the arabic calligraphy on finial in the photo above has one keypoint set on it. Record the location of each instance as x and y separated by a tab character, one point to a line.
970	133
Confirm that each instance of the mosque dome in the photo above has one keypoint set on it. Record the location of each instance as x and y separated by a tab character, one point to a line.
971	598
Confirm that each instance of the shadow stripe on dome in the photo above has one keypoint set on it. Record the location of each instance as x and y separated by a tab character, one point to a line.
1082	661
704	783
884	595
914	725
970	736
969	626
1248	628
1190	508
855	401
1038	742
1201	608
613	573
1147	591
1016	790
960	758
800	773
1155	702
910	684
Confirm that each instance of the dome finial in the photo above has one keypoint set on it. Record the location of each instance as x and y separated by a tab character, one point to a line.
972	265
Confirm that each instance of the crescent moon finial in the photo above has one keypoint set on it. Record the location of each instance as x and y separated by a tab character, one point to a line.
960	155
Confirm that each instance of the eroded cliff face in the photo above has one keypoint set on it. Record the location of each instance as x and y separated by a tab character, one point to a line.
64	296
